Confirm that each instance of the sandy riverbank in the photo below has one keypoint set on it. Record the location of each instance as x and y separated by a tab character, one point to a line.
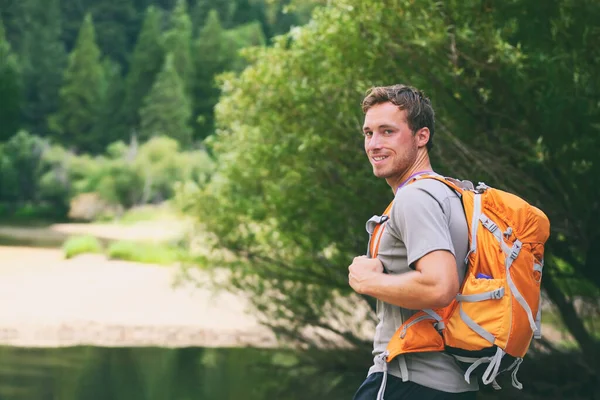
50	301
89	300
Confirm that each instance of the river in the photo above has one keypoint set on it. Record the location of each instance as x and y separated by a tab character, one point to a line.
99	373
90	328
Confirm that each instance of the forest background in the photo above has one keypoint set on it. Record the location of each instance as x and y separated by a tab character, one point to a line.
245	113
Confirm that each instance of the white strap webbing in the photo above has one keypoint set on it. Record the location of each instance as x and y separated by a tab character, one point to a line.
515	381
382	359
492	370
511	254
496	294
474	225
439	324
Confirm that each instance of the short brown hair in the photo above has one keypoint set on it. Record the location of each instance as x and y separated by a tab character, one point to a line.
419	112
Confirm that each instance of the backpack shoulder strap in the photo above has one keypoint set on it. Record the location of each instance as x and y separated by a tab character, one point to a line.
457	186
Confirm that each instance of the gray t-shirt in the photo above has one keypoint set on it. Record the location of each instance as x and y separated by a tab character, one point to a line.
426	216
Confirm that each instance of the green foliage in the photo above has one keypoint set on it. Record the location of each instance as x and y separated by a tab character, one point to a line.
95	96
222	8
41	34
115	23
113	179
129	176
161	163
20	165
210	59
162	212
146	62
10	89
34	176
76	245
178	41
13	15
46	177
241	37
43	59
82	93
151	253
111	124
54	180
289	155
166	109
217	50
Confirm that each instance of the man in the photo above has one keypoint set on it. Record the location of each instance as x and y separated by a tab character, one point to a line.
420	259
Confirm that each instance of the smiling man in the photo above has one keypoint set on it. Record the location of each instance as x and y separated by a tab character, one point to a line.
420	251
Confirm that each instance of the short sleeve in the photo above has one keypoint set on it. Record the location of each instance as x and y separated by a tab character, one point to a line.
421	223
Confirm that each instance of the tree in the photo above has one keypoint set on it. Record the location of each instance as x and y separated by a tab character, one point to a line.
146	62
178	41
116	28
211	58
82	93
166	109
73	13
20	162
13	15
293	180
43	59
217	50
239	38
10	89
111	125
202	8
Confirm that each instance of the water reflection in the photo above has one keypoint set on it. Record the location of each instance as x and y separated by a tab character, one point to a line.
93	373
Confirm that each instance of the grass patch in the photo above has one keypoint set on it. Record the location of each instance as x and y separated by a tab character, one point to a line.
149	212
76	245
152	253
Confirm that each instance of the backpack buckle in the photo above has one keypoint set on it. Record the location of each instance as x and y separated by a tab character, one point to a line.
489	224
481	187
514	253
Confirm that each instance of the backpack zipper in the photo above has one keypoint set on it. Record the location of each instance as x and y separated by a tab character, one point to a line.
416	320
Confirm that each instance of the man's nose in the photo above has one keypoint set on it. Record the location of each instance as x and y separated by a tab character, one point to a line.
374	142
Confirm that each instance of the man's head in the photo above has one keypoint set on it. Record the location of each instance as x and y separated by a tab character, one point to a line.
419	112
398	129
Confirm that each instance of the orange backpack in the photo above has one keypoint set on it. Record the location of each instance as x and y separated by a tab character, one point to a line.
497	311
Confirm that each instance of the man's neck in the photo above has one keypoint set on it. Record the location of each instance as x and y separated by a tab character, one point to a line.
422	164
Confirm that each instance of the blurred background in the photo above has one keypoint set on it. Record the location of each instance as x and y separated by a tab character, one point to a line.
183	185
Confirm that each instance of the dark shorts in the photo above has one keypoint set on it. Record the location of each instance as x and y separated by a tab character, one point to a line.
395	389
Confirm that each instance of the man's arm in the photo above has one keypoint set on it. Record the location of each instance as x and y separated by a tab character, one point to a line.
418	220
433	283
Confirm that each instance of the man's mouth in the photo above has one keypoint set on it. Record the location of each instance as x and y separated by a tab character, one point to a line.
379	158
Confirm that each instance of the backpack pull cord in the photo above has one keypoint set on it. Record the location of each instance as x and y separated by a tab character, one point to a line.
382	358
473	366
515	381
492	370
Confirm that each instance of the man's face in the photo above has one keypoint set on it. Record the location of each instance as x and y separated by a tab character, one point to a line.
389	142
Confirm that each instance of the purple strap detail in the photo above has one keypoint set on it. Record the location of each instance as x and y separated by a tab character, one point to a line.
411	177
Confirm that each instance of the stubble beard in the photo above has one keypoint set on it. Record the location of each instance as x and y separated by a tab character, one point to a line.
397	169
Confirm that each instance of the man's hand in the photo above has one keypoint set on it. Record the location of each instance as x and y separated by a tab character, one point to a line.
361	270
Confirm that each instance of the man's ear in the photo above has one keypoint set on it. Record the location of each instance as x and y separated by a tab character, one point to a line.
422	137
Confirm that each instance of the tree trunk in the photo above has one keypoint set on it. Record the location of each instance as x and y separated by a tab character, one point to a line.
574	324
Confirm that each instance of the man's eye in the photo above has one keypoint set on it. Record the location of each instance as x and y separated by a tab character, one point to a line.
388	131
369	134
